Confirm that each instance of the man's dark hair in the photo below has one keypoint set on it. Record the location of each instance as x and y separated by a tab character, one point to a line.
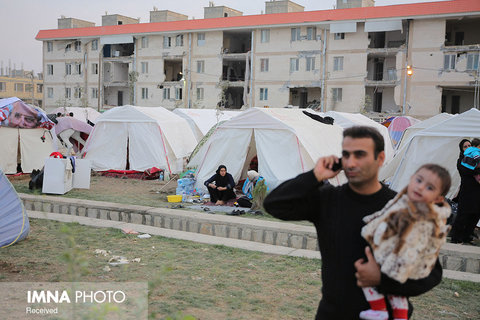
475	142
358	132
442	173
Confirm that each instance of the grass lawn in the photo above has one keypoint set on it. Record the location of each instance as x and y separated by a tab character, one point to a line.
207	282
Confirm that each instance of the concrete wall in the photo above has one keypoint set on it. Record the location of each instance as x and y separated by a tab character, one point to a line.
220	12
66	23
282	6
116	19
166	15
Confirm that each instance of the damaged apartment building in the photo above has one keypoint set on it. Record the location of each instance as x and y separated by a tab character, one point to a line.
418	59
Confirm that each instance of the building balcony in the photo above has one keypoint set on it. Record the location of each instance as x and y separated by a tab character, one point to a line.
384	79
236	84
383	52
463	48
226	55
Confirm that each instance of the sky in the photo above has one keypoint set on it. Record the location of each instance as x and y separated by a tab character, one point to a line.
20	20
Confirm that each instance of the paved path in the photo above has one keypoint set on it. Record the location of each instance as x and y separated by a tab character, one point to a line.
234	243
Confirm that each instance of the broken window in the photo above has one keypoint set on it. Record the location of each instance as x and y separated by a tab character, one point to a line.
179	40
68	47
339	36
78	46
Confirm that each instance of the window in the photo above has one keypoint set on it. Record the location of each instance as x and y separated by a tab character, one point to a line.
77	93
94	68
200	93
310	63
179	40
337	94
18	87
145	93
472	61
338	36
50	92
94	45
263	65
94	93
68	68
49	46
167	42
78	46
200	39
39	88
68	47
263	94
449	61
3	86
265	35
68	93
311	33
337	63
50	69
295	34
293	64
200	66
28	87
78	68
144	42
178	93
144	67
166	93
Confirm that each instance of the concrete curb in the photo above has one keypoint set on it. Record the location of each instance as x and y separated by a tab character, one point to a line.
283	234
234	243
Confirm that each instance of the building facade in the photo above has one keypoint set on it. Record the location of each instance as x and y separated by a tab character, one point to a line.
415	59
22	84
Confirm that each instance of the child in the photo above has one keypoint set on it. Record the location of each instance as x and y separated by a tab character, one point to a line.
471	159
406	236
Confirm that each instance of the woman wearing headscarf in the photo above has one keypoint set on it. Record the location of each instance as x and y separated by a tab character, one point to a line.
468	203
220	186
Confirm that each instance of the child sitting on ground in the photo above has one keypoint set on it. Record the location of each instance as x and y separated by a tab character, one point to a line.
406	236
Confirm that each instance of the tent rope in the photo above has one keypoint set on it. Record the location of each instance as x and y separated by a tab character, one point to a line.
21	230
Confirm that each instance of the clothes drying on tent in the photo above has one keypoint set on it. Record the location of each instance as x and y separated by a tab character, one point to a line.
347	120
397	125
14	225
82	114
285	141
145	136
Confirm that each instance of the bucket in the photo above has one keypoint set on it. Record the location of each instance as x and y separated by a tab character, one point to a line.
174	198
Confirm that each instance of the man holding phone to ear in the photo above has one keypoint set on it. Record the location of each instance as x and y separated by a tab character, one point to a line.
337	212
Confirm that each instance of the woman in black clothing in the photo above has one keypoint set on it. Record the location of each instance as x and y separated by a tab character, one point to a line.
220	186
468	202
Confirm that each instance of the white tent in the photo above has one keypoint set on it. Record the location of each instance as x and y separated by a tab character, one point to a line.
202	120
285	141
33	148
149	136
347	120
410	131
436	144
79	113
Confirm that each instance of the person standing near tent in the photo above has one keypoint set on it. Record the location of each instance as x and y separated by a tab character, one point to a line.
337	213
468	212
220	186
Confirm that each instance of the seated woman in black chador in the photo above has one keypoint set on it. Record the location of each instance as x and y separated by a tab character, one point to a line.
220	186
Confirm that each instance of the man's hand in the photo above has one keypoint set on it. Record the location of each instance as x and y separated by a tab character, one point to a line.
323	168
368	273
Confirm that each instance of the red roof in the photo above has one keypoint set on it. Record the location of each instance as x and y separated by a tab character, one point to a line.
403	10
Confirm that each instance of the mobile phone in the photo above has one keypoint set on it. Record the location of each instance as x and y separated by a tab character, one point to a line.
338	165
